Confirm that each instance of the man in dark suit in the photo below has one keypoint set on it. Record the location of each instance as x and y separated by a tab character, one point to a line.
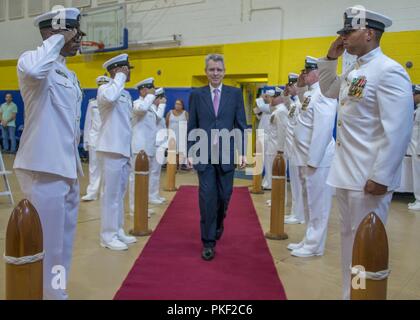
218	111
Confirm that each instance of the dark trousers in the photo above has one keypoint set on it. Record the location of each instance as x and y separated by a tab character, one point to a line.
215	191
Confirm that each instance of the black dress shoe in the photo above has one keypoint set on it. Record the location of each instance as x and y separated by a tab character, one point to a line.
208	254
219	232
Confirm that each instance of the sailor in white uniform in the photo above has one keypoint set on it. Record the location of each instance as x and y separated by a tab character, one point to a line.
276	131
293	104
148	118
263	111
314	146
414	151
90	141
374	125
114	151
47	164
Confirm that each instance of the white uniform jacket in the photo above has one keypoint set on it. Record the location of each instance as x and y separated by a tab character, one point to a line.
294	107
92	124
52	97
115	108
313	133
278	129
147	120
374	122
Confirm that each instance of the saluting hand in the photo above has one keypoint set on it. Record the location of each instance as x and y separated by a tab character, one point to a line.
337	48
301	80
375	189
123	69
68	34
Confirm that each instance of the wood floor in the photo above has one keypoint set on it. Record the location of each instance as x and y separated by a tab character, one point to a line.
97	273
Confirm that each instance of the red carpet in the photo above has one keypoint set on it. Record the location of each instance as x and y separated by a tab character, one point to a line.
170	266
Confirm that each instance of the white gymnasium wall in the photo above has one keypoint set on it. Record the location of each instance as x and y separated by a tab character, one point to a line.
203	22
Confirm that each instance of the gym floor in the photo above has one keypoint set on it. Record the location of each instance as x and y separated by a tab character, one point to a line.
97	273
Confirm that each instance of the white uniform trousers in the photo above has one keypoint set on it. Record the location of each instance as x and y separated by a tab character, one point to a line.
317	198
415	164
115	169
354	207
296	188
56	200
94	173
154	178
268	170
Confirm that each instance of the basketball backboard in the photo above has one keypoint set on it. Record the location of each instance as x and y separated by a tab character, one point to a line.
105	28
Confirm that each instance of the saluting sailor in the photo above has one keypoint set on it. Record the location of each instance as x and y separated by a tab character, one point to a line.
277	129
293	104
314	150
263	113
148	118
47	164
114	151
90	141
373	126
414	151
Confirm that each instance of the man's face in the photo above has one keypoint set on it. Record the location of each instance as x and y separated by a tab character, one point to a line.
143	92
309	76
215	72
8	98
72	46
355	41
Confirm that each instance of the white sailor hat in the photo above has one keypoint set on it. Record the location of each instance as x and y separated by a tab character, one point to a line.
278	91
416	89
311	63
118	61
270	93
61	18
293	77
147	83
102	79
359	17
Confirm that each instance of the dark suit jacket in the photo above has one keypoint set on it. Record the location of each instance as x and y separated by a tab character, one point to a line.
231	115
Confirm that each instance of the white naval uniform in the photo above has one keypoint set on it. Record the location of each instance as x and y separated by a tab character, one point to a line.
314	150
414	151
147	120
373	132
114	152
91	133
276	136
294	107
264	124
47	164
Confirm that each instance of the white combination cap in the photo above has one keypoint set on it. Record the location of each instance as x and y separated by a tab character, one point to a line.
358	17
62	18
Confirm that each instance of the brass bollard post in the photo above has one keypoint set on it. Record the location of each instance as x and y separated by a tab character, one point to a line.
278	200
141	196
370	254
24	254
171	166
258	168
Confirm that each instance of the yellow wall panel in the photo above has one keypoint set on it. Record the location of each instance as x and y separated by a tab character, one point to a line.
268	61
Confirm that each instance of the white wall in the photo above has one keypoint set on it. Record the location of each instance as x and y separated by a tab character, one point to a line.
203	22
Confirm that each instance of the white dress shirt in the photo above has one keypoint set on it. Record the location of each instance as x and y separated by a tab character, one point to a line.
52	97
92	124
373	126
147	121
115	107
313	140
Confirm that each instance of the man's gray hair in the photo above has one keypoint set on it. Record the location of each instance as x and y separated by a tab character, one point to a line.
216	58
